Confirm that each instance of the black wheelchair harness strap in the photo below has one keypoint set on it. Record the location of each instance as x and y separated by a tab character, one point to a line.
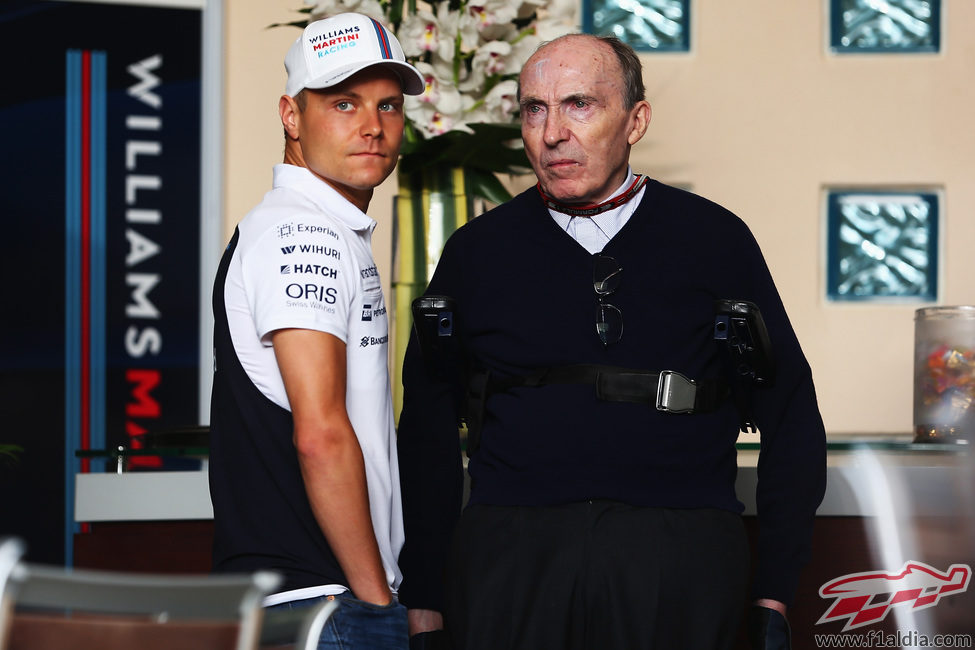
666	391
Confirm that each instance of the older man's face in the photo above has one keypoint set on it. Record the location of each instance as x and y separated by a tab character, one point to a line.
576	130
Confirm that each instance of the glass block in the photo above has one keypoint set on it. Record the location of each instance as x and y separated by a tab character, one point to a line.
885	26
882	245
646	25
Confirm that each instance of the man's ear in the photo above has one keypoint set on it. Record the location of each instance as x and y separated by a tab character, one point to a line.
640	114
290	115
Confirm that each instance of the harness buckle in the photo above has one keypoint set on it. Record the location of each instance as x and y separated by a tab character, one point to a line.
675	392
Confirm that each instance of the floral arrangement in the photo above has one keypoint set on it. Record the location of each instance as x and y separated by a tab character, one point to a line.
470	53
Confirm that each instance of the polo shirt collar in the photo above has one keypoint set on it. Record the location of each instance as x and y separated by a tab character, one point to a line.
323	195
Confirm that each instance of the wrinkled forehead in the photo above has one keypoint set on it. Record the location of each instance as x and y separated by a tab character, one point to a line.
571	67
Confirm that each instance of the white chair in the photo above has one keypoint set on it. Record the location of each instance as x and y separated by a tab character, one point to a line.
298	629
81	609
11	550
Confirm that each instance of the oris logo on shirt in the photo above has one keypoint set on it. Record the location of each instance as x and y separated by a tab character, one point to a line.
314	292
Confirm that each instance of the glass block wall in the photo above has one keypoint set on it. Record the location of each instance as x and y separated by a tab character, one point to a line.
885	26
646	25
882	245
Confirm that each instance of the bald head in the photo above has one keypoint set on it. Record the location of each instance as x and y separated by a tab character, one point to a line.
628	70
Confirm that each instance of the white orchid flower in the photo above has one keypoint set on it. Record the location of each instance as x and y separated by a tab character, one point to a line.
463	24
561	11
547	29
522	49
491	59
440	94
419	33
430	121
371	8
502	101
490	13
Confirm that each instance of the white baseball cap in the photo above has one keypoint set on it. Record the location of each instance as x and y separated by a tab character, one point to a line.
331	50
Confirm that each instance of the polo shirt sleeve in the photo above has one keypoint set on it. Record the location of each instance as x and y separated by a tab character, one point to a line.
303	279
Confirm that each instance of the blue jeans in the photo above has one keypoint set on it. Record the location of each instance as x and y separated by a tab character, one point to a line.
358	625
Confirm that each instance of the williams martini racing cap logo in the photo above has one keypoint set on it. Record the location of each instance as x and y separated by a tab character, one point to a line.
865	598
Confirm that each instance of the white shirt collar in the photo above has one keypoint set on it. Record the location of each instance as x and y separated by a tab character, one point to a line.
608	223
326	197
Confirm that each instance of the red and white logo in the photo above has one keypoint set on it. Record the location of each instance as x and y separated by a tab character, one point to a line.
865	598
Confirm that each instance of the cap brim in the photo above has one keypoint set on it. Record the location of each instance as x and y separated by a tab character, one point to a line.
412	80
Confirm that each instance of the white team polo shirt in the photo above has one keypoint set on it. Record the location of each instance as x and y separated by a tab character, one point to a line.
304	260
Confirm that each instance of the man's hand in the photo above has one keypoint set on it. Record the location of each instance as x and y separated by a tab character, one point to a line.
426	630
424	620
768	628
313	367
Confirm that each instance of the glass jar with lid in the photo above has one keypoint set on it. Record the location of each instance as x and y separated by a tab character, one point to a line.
944	374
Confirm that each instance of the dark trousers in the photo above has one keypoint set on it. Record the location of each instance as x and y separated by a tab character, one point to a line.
596	575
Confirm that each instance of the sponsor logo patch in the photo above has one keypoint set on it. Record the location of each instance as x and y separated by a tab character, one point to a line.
866	598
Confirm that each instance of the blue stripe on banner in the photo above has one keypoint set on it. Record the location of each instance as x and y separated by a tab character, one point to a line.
72	291
98	257
383	41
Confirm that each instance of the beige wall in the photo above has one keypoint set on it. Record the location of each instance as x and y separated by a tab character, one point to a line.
760	119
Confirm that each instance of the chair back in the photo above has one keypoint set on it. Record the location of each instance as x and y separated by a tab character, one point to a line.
314	623
11	550
296	628
62	608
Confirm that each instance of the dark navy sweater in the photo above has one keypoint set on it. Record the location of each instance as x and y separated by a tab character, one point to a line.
525	300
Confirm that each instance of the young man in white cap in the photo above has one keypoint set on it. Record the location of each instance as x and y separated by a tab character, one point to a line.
303	471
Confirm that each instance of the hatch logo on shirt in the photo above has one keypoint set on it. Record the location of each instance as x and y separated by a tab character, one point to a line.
317	269
286	230
366	341
310	269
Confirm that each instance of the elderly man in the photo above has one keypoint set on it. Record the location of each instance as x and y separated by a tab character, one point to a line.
303	470
603	412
